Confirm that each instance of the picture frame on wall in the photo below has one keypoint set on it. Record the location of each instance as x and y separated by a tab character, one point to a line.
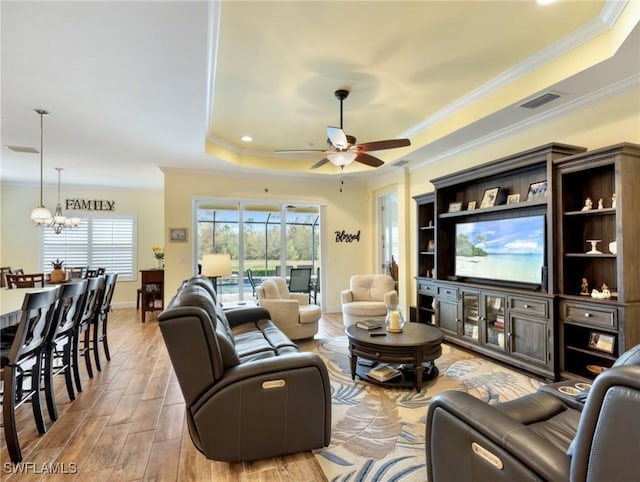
178	235
537	191
471	206
489	197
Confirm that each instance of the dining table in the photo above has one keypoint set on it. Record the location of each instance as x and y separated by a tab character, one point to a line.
11	303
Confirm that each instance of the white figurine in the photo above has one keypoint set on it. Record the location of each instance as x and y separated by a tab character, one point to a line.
613	201
600	204
588	204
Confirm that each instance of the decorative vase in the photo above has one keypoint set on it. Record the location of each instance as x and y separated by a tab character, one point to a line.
394	320
159	263
57	275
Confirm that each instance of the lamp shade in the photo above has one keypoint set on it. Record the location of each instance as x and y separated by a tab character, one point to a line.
342	158
215	265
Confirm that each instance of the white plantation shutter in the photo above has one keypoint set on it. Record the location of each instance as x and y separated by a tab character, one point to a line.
97	242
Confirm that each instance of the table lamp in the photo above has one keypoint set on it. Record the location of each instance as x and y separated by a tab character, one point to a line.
216	265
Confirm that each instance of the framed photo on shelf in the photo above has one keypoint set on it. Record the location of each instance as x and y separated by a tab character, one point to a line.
537	190
455	207
471	206
513	198
601	342
178	235
489	197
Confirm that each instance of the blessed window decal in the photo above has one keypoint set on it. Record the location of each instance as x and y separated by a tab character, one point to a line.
90	204
344	237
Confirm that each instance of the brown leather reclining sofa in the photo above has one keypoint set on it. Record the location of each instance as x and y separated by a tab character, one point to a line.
249	391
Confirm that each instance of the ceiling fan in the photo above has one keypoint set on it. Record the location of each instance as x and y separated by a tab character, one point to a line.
342	148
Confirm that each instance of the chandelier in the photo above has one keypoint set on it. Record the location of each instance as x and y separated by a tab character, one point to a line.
59	220
41	215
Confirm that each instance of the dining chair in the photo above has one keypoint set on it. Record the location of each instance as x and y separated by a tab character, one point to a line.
76	272
3	271
82	332
59	343
20	357
93	272
300	281
100	319
34	280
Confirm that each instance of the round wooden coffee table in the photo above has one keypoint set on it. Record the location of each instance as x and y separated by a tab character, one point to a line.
414	350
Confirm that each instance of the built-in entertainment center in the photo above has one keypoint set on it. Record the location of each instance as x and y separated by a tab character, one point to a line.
504	249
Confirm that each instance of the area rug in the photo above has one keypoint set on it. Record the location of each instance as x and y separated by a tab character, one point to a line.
378	433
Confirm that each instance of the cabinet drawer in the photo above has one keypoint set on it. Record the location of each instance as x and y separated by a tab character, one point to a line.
428	289
448	292
530	306
602	316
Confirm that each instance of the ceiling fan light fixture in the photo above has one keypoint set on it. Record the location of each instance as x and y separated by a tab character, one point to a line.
342	158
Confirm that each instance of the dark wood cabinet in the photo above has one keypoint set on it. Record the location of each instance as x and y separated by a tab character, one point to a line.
511	321
426	288
151	291
598	249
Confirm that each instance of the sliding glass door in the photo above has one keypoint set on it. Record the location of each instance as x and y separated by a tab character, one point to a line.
262	239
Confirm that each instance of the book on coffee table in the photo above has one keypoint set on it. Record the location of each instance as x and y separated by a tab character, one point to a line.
383	373
370	324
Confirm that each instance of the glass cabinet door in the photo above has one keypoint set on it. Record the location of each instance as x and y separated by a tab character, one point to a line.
494	321
470	315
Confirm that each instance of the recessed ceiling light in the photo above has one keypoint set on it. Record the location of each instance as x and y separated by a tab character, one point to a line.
246	138
544	2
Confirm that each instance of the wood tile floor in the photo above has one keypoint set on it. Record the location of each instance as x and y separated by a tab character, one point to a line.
129	423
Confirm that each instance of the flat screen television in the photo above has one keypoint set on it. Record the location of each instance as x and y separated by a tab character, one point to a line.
507	250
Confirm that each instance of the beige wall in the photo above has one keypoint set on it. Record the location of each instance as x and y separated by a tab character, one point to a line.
20	244
348	210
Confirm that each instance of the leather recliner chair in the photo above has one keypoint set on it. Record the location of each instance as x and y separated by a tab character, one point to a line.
538	436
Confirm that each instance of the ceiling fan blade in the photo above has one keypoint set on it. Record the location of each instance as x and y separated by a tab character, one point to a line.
295	151
337	137
381	145
368	160
320	163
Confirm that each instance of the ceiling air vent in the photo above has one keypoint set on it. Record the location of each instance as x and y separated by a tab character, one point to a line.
541	100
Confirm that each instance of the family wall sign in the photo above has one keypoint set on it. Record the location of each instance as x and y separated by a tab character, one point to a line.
90	204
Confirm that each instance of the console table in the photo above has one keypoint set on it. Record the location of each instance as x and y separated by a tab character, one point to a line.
151	291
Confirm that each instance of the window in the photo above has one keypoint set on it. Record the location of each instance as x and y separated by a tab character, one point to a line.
98	242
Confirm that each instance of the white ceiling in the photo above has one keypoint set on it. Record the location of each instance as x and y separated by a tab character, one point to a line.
133	87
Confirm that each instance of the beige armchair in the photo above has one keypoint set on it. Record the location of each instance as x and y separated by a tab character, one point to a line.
291	312
368	298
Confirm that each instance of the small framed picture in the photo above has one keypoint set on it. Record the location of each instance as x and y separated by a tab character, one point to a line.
178	235
537	190
601	342
489	197
471	206
513	198
455	207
